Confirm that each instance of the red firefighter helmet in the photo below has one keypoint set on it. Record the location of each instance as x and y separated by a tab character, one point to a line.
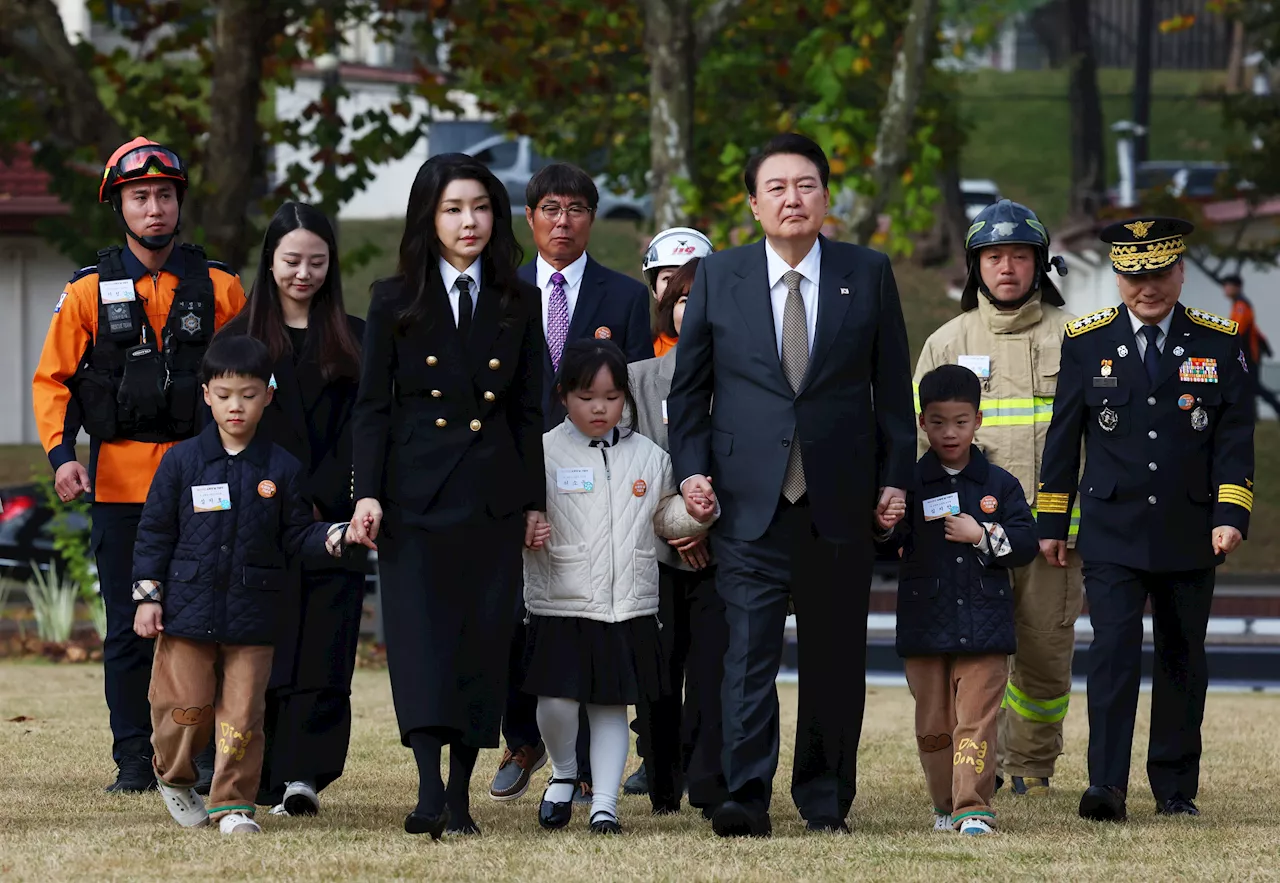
142	158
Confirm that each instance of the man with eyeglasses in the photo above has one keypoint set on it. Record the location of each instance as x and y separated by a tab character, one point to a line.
580	299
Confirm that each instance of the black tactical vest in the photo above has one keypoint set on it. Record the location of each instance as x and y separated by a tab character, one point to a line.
131	385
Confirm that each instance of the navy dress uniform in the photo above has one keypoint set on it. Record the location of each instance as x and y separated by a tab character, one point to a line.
1162	411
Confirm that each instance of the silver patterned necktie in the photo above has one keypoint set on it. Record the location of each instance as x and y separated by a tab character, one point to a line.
795	362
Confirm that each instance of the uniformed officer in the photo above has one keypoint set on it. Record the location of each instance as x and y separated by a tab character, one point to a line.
1157	392
121	361
1010	334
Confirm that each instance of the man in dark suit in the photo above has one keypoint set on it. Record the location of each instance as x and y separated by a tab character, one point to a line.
802	344
1158	394
580	298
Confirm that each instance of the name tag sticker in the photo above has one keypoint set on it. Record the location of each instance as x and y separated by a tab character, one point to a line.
941	507
980	365
575	480
211	498
664	412
116	291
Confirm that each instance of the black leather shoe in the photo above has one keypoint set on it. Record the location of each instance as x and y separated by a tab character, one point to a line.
554	816
827	826
603	823
421	823
135	776
463	826
637	783
666	807
733	819
1103	803
1177	806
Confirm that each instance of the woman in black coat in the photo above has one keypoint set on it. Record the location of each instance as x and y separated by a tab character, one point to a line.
296	309
448	469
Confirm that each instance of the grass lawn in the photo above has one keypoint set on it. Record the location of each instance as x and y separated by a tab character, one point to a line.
1019	123
60	826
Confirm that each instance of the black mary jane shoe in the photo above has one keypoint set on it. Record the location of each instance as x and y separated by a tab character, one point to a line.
554	816
603	823
463	826
421	823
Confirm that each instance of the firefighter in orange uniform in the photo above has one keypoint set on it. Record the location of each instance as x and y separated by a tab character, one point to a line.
121	361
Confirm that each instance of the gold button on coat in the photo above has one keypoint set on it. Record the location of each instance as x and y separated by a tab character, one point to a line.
432	360
475	425
435	393
489	397
441	422
494	364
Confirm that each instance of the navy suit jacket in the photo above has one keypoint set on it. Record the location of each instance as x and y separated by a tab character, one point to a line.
609	305
854	414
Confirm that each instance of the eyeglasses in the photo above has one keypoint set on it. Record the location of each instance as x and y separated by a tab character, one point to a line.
552	211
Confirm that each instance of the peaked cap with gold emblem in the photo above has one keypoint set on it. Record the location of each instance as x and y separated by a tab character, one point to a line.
1146	245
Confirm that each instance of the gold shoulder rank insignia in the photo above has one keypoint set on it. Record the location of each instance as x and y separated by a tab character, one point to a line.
1140	228
1210	320
1076	327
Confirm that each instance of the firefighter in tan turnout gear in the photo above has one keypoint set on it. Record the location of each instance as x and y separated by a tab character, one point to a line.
1010	335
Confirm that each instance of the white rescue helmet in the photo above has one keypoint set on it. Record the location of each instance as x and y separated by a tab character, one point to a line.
673	247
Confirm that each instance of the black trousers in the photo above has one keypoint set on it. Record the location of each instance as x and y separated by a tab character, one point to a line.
681	739
126	658
520	714
830	585
1180	605
308	716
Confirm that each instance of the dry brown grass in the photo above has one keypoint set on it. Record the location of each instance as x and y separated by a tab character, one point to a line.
58	825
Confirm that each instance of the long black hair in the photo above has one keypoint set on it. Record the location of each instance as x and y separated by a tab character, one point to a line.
420	245
329	340
582	361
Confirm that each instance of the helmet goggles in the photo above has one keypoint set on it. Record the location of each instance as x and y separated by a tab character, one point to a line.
146	161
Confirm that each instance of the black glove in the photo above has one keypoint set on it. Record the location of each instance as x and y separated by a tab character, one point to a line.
142	388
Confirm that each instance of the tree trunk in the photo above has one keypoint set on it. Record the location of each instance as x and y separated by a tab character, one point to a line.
1049	23
1235	60
669	44
944	245
893	139
1087	161
241	36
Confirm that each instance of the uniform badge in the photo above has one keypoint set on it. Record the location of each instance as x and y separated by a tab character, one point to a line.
1108	420
63	297
1122	350
1186	401
1199	420
1106	368
267	489
989	504
190	323
639	488
1177	351
1195	370
603	333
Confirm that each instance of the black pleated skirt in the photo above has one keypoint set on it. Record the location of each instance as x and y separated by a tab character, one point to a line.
599	663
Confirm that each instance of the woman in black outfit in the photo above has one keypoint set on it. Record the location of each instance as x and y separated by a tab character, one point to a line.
448	469
295	308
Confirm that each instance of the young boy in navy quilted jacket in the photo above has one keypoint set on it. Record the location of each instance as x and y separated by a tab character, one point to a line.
967	523
223	516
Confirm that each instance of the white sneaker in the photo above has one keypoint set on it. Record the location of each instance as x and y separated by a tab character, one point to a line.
238	823
278	810
975	827
941	822
300	799
184	804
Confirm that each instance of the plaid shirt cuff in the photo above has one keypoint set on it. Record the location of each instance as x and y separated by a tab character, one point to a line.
147	590
335	539
999	540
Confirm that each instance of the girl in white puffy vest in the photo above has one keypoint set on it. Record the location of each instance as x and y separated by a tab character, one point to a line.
591	578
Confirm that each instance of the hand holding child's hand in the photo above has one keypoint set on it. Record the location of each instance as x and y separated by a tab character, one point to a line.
147	619
963	528
357	537
702	507
537	530
889	516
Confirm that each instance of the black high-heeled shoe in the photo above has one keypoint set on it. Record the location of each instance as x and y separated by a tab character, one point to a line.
604	823
554	816
421	823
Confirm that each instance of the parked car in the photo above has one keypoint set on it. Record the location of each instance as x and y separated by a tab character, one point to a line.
978	193
1182	179
514	160
25	534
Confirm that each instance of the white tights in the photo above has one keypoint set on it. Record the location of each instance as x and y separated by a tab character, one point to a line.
610	743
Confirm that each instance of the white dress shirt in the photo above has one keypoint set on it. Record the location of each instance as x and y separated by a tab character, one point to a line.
572	285
1141	338
450	275
810	268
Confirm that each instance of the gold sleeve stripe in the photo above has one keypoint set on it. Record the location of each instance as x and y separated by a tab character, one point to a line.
1234	493
1052	504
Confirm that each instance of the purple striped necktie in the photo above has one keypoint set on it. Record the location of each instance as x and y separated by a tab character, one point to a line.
557	319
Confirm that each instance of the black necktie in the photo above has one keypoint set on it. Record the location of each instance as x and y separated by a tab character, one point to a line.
464	307
1151	358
